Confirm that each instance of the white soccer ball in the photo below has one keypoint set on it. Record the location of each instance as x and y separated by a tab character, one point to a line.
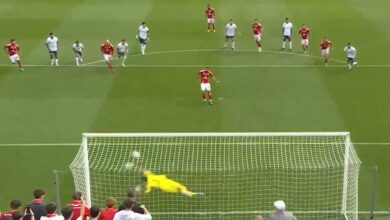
128	165
136	154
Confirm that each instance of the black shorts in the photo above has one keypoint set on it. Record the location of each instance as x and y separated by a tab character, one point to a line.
121	54
229	37
285	37
350	60
78	53
53	53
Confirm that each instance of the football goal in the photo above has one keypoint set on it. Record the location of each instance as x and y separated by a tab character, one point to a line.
241	174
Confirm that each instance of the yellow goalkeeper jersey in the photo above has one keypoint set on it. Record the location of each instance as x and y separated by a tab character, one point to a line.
162	182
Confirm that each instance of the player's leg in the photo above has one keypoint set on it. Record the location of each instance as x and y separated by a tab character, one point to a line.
354	62
233	43
284	42
77	58
306	45
208	90
142	45
213	24
55	57
226	41
325	54
208	25
258	42
290	43
107	59
51	58
188	193
123	58
349	62
17	58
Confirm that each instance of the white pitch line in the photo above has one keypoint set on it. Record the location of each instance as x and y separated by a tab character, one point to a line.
41	144
78	144
368	144
199	66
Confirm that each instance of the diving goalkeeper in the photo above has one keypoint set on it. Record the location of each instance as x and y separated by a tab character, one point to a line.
167	185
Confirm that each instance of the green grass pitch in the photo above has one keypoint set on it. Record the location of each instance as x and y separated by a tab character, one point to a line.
158	92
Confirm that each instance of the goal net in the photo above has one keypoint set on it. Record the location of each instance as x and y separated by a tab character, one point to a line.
241	174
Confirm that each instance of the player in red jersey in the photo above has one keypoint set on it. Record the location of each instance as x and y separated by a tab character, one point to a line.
12	49
205	87
210	16
325	45
304	31
108	50
257	29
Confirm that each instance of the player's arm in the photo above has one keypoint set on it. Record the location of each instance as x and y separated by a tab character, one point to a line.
238	32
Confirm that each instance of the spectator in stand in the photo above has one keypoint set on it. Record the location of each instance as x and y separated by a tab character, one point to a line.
15	205
110	210
36	206
94	213
128	214
137	207
51	210
76	206
281	213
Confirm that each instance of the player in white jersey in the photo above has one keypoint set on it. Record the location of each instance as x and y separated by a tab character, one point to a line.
287	31
143	36
52	45
351	55
78	52
230	32
122	50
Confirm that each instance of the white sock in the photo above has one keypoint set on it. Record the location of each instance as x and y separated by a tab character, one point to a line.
52	62
77	61
56	62
233	45
290	43
283	44
81	59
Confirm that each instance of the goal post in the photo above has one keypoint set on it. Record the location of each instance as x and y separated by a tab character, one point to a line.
241	174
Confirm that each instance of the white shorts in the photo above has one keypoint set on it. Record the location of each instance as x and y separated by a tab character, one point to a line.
107	57
305	42
257	37
14	58
210	21
325	52
205	87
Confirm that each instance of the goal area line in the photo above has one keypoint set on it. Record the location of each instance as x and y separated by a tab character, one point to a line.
263	212
78	144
